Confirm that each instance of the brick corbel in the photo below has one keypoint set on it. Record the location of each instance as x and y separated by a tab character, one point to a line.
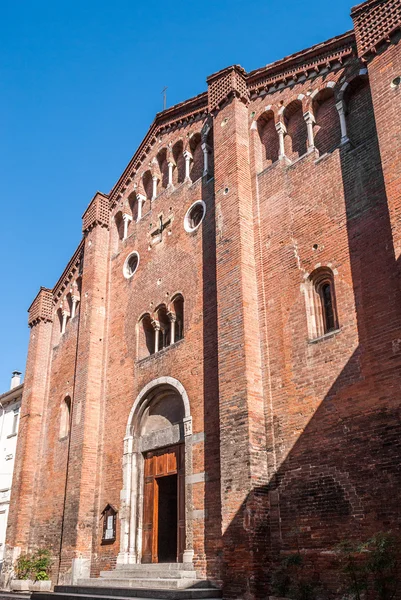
41	308
97	213
226	84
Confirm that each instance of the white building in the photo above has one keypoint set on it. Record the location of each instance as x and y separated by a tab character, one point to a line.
10	403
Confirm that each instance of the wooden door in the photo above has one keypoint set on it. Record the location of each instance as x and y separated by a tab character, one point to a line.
160	463
181	503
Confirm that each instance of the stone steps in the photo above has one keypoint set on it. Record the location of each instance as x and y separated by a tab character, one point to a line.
77	592
148	582
147	574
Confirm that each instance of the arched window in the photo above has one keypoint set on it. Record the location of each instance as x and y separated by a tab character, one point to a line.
65	417
133	204
359	110
267	142
120	224
296	139
162	160
321	303
179	171
178	304
148	184
327	132
146	337
164	330
197	155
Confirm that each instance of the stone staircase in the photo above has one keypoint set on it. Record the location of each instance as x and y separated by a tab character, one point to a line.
165	581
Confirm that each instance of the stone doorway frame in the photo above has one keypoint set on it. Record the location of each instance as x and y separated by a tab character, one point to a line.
131	508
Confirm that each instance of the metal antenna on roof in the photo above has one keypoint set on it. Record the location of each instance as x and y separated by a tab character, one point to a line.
164	90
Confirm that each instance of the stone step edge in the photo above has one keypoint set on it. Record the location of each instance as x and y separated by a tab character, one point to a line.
62	594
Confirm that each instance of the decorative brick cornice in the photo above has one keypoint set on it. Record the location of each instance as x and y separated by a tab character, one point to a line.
375	21
41	308
73	269
226	84
302	64
97	212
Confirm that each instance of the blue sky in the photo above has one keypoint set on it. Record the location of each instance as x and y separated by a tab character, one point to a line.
80	83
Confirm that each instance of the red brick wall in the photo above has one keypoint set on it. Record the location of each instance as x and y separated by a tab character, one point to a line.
298	438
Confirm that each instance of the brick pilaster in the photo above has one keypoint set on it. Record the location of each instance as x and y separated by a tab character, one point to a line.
242	423
29	434
78	522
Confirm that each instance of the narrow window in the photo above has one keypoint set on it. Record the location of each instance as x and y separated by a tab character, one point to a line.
321	303
146	337
65	417
178	304
327	305
164	331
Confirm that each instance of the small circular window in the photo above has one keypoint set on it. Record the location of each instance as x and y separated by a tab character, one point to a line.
131	264
195	215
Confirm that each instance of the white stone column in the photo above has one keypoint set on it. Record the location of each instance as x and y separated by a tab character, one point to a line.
281	130
156	327
74	301
64	323
343	122
170	174
206	150
155	179
173	318
188	157
126	219
310	120
141	200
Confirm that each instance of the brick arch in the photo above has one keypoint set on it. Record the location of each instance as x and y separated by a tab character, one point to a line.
357	102
173	298
147	184
266	140
296	140
142	400
133	471
327	130
195	147
350	81
179	171
163	167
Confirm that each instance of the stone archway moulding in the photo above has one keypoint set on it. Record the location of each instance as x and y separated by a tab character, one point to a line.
132	493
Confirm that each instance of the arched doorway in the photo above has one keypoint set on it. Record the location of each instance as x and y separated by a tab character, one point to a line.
156	499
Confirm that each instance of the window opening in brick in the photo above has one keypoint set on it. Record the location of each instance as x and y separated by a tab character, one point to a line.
321	303
197	155
131	265
295	141
327	132
164	330
178	304
267	142
179	171
65	417
119	225
146	337
194	216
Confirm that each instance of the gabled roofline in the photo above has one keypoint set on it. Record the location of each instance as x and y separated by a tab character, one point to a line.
171	115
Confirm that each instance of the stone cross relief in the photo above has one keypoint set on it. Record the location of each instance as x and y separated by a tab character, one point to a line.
157	234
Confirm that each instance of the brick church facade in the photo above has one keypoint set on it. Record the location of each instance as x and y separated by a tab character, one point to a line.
215	379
